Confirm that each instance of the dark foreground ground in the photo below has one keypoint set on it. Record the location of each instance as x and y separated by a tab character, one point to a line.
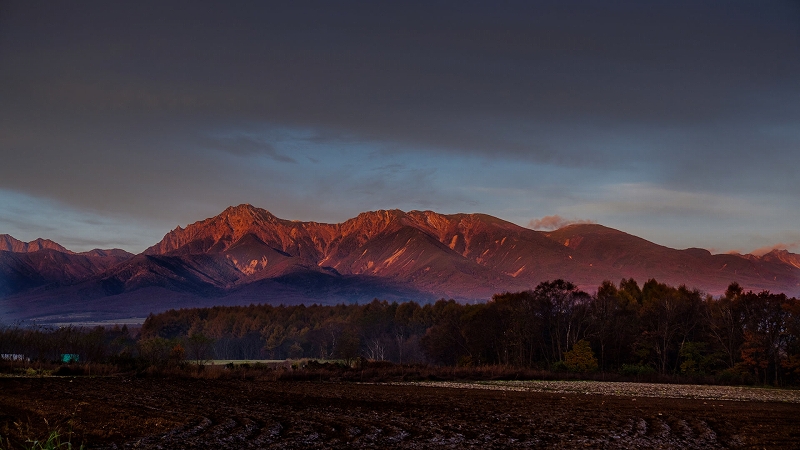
172	413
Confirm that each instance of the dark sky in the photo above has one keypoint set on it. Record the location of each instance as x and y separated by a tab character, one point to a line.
675	121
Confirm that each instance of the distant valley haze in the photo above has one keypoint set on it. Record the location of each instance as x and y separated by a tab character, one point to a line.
626	135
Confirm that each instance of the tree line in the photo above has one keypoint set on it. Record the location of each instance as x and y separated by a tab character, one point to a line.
739	337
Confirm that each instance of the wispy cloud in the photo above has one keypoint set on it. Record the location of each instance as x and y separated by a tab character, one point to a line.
649	198
27	218
780	246
246	146
555	222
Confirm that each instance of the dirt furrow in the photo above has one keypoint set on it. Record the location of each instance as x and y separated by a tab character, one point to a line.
166	414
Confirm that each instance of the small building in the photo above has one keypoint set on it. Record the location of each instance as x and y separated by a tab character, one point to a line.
67	358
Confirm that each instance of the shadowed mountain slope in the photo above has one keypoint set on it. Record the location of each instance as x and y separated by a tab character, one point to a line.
22	271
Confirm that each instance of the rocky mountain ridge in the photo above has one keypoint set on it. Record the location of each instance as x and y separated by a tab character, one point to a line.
246	254
9	244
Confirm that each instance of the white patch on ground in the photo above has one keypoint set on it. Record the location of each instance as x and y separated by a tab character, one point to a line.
394	257
254	266
630	389
519	271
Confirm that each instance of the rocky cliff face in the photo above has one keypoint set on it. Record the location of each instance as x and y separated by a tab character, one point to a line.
464	254
453	253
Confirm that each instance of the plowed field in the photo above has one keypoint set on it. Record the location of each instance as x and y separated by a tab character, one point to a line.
171	413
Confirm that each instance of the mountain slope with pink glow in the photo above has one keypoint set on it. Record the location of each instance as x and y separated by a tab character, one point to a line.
247	255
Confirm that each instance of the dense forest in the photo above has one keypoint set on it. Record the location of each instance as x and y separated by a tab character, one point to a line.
740	337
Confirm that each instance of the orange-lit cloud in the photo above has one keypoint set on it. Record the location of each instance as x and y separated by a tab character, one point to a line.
764	250
554	222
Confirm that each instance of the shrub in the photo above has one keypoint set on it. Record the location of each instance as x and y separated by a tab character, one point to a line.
637	370
581	358
735	375
559	366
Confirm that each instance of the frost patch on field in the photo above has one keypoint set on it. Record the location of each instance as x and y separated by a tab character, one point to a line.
626	389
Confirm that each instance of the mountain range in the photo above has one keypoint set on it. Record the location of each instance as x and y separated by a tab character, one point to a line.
247	255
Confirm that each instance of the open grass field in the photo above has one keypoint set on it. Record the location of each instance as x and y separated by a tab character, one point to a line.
178	413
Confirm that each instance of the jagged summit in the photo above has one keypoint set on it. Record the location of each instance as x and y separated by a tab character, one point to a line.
783	256
215	233
10	244
246	214
246	210
218	233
